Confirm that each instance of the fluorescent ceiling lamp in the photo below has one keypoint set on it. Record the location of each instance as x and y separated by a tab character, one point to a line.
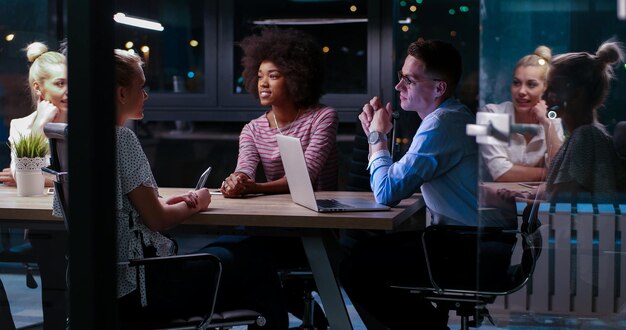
621	9
137	22
309	21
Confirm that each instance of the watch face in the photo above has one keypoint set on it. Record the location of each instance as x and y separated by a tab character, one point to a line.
374	137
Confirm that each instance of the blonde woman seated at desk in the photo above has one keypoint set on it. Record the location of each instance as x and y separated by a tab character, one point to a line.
527	155
47	79
586	167
142	214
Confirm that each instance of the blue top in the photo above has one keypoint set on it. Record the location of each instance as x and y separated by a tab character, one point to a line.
442	160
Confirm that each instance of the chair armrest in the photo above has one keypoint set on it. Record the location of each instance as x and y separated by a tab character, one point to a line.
169	259
53	175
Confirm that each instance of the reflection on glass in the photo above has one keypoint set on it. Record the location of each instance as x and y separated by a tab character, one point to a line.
174	57
576	217
340	27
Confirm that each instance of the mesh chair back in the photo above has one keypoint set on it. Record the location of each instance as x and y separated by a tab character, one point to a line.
358	178
619	139
57	135
467	259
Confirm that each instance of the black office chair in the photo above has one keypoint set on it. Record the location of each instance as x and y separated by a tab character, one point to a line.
358	178
469	267
619	142
619	139
19	252
163	314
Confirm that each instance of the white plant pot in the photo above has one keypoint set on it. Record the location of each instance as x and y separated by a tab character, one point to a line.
28	176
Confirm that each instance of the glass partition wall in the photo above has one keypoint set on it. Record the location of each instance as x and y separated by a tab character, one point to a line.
573	243
192	67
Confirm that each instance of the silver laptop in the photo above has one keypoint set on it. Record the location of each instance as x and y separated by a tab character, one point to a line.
301	187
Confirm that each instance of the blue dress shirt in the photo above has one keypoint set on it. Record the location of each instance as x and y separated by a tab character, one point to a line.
442	160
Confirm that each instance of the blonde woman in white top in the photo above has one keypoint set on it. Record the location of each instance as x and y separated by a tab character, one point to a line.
527	156
47	79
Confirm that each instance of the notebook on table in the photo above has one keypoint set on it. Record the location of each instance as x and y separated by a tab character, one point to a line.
301	188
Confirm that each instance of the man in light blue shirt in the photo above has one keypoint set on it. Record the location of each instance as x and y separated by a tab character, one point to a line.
442	161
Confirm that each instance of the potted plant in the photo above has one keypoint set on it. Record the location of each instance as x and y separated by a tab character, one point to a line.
31	154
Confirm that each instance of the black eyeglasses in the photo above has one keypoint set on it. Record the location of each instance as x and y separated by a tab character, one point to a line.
410	82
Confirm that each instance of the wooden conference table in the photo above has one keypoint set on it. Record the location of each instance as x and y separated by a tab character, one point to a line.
269	215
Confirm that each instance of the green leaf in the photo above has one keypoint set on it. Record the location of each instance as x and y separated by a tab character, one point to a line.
30	146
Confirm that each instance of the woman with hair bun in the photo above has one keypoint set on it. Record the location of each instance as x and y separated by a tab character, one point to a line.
526	156
578	85
47	80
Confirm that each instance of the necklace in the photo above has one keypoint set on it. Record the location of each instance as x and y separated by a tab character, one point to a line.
290	124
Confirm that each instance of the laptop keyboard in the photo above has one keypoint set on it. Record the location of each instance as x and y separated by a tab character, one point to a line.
331	204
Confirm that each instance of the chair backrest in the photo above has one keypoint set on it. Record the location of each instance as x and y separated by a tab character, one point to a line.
58	169
197	274
481	255
358	178
619	139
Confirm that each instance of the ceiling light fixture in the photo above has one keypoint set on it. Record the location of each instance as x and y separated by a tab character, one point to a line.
137	22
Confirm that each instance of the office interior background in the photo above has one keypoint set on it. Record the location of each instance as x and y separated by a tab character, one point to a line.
197	104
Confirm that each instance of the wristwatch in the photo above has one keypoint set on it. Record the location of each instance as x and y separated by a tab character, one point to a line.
375	137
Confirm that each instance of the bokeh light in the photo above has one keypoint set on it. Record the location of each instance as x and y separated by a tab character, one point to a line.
353	8
325	49
413	8
451	11
191	74
9	37
405	28
193	43
129	44
145	49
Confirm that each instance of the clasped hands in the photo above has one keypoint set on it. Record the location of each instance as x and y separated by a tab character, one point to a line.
236	185
373	119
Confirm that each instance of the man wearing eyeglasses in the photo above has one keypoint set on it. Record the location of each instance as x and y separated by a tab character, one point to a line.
441	161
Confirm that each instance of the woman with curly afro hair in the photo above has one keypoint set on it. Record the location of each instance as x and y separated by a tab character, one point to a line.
283	68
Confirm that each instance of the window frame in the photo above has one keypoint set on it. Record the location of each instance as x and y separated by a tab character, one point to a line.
220	103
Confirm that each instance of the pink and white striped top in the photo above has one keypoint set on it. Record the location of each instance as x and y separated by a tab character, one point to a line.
317	130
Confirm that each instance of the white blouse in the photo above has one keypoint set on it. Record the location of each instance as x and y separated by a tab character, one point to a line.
500	159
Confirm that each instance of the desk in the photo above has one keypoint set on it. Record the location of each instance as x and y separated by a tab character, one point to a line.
513	186
249	215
